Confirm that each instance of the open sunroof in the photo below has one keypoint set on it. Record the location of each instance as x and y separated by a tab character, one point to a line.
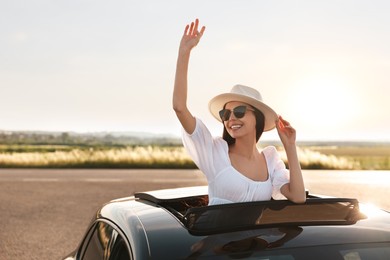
251	215
200	219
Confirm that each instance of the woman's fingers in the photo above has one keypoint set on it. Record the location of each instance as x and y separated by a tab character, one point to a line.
286	132
279	122
284	124
192	29
202	29
196	25
186	29
191	36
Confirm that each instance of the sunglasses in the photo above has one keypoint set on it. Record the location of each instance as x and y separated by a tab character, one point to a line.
239	112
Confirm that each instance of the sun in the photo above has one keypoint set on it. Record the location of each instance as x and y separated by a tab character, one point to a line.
323	100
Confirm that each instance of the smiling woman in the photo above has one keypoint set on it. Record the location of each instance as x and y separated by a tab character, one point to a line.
236	170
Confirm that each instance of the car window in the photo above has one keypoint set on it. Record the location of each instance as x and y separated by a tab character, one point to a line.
105	243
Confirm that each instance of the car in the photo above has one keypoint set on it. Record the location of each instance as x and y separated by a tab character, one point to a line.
179	224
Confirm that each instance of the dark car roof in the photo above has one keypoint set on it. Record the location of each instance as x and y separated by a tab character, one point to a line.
163	224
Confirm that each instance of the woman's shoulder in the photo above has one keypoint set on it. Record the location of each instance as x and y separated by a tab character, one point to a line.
271	155
203	134
273	159
269	151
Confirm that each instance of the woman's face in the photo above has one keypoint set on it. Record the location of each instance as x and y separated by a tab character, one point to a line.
238	127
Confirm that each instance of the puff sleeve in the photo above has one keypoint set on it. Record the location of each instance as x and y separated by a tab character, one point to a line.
278	173
203	149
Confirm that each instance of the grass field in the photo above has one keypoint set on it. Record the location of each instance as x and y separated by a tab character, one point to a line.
95	157
69	156
364	157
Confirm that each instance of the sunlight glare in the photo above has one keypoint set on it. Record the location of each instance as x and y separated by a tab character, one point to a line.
369	209
325	100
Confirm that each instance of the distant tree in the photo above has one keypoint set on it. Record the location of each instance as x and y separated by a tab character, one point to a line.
65	138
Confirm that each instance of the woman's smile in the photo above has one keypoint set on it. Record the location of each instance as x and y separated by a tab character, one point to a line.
235	127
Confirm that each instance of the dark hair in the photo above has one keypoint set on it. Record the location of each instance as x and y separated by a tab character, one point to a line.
260	121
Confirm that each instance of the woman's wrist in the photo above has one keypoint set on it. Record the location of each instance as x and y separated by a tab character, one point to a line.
291	150
289	145
183	50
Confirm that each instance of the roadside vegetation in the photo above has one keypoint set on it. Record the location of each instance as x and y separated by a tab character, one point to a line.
66	150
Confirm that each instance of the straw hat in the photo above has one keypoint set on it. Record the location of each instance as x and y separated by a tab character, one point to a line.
247	95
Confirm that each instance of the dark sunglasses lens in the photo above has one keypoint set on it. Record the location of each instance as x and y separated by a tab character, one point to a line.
224	114
239	112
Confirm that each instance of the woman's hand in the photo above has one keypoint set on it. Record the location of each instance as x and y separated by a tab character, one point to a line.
191	36
286	132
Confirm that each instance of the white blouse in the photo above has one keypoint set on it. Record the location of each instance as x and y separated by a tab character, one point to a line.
225	183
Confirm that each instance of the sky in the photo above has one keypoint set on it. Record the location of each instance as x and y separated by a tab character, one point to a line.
93	66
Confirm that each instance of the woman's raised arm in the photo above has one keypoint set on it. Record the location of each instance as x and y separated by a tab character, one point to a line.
190	39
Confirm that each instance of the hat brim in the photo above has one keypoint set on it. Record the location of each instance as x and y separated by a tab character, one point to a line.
217	103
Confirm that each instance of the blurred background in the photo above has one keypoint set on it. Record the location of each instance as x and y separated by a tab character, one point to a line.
92	66
88	84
